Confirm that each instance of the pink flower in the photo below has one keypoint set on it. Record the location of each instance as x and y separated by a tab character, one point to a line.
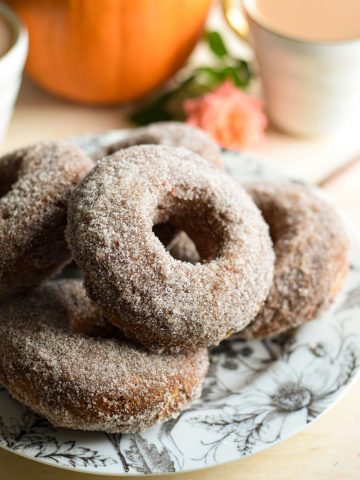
234	119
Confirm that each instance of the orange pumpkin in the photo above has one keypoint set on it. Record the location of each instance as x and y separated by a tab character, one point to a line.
108	51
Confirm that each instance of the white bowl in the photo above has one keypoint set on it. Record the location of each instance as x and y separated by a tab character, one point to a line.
11	67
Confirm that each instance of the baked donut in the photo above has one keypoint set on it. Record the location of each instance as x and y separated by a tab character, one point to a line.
35	184
176	134
154	299
83	382
311	249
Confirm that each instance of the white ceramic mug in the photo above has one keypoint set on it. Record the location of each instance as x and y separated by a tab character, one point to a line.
310	88
11	67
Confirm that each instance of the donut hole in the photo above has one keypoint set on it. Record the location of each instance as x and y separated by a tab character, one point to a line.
201	222
165	232
184	249
179	244
275	216
205	229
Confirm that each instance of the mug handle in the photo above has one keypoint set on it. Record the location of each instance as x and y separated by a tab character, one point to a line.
236	19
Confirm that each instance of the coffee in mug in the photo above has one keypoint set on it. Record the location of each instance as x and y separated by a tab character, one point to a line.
308	52
313	20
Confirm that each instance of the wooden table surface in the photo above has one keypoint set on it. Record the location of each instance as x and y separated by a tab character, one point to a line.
328	449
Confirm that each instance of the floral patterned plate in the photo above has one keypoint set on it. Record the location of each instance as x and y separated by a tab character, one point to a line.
257	393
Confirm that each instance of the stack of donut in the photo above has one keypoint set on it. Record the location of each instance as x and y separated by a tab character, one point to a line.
175	258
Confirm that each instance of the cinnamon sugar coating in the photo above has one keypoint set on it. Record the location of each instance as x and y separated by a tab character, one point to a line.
176	134
87	383
161	302
35	185
311	248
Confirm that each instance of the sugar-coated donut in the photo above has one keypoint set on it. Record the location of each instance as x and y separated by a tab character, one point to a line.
35	184
156	300
83	382
311	248
176	134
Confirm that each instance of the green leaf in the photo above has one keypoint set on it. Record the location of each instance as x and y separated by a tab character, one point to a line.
216	44
203	79
239	73
152	111
245	72
210	76
168	106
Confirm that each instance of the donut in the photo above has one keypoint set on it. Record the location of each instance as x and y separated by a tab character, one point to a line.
88	383
154	299
311	248
35	184
176	134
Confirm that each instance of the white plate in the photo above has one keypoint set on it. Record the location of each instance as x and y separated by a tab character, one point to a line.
257	393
